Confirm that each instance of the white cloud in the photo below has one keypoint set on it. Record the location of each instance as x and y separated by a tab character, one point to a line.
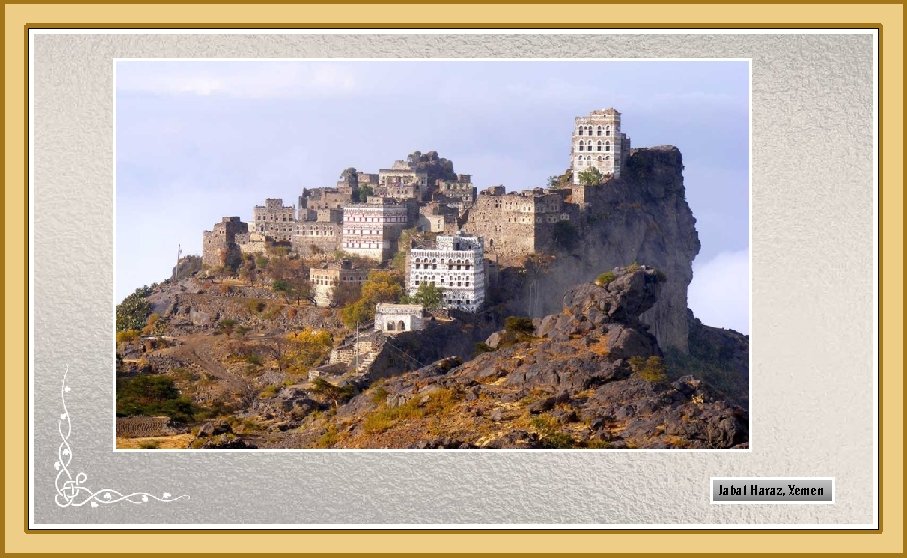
719	294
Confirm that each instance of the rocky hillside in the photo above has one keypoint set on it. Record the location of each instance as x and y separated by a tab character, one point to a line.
589	376
641	217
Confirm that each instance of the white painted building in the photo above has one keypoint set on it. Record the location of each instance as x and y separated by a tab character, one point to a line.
599	143
456	265
371	229
396	318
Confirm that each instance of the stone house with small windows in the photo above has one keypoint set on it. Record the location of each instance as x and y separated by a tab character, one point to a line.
327	278
401	180
318	232
456	265
598	143
274	220
516	224
323	198
219	244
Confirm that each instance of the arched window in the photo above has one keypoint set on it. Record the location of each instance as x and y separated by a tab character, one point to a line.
598	131
401	326
390	326
599	146
607	146
608	130
580	132
582	145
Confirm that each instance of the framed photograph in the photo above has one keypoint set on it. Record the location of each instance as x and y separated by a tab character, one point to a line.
463	282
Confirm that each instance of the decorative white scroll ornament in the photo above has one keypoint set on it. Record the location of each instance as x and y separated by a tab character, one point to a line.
70	491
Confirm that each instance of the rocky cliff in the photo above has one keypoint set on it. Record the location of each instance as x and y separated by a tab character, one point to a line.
589	376
641	217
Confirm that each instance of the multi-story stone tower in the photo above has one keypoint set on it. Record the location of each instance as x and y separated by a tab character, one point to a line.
599	143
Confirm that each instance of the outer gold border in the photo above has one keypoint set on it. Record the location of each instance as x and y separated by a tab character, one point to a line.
887	14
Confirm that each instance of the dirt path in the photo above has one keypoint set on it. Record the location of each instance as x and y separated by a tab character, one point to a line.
199	350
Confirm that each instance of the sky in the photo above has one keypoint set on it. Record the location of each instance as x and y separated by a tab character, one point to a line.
199	140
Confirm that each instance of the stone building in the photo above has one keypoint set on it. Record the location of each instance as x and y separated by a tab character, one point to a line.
456	265
326	279
435	217
219	244
318	232
459	191
397	318
401	182
515	224
324	198
252	243
599	143
275	220
371	229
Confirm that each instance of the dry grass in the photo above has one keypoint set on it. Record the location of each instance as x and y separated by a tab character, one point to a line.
180	441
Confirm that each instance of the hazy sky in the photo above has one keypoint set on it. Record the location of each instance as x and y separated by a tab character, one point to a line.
197	141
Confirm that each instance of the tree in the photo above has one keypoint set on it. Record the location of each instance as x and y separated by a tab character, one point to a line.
553	180
428	295
305	349
381	286
590	177
365	191
299	288
133	312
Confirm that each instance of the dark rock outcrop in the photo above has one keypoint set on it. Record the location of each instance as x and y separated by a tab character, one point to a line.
641	217
590	376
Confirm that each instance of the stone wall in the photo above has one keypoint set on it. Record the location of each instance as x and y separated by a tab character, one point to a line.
515	225
144	427
251	243
316	237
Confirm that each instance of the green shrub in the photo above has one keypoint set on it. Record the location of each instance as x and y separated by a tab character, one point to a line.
280	286
256	306
133	312
269	392
519	324
550	433
127	336
650	369
379	394
152	396
605	278
328	438
226	326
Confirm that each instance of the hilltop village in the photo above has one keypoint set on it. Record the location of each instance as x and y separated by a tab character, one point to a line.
380	312
365	214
